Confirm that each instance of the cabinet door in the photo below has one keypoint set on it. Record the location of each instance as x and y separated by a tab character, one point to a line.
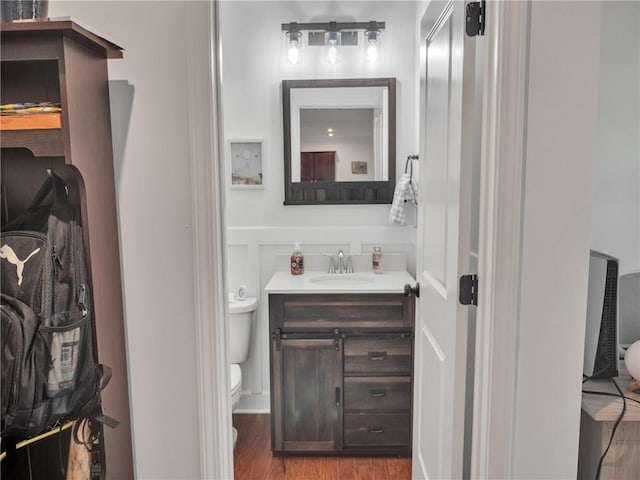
307	395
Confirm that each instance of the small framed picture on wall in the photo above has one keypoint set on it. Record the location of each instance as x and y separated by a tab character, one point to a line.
359	168
247	163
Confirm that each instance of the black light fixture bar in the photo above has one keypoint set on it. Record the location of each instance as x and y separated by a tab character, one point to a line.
332	26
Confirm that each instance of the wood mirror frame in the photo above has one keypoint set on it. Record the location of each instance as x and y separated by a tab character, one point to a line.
328	193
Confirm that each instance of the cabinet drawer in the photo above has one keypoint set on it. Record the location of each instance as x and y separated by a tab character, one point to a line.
377	393
309	312
388	429
378	355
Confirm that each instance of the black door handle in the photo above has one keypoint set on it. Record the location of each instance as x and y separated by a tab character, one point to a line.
409	290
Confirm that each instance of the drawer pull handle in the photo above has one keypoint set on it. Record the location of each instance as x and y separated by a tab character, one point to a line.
376	429
377	355
377	393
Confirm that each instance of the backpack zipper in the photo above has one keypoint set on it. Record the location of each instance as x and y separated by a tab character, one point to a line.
79	271
57	263
56	267
82	300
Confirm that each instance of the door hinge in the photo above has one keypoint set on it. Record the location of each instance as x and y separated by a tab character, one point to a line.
476	18
336	339
468	290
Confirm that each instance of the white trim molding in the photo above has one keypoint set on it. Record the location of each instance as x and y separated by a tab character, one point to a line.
214	402
500	238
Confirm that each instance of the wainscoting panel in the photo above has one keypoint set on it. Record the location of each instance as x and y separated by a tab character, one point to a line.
252	254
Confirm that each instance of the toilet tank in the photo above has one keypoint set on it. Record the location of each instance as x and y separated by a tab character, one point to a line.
240	320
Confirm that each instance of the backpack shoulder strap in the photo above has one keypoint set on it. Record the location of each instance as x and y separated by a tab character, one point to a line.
52	183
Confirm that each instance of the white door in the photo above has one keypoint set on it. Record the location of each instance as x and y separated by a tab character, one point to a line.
444	231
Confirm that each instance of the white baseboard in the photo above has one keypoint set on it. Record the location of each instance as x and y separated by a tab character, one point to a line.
254	403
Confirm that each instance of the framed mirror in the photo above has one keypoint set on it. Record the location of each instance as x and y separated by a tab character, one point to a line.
339	141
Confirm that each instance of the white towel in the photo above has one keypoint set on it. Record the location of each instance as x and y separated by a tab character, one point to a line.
405	191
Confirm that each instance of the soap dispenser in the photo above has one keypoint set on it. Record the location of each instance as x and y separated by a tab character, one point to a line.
376	259
297	261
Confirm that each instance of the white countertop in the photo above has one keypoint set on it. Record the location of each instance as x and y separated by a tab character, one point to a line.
322	282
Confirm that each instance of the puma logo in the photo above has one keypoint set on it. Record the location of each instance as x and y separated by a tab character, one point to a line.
7	252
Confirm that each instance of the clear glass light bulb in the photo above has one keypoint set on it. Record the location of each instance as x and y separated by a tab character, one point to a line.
293	55
332	54
372	52
294	50
372	35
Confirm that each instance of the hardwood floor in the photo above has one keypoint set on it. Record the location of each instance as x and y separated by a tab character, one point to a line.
252	459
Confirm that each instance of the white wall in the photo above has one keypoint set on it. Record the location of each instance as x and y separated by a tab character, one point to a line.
615	222
259	225
559	156
150	121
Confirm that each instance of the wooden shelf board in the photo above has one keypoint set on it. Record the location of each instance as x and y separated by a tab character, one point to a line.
42	143
37	121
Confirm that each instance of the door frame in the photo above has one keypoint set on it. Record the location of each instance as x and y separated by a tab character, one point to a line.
206	163
503	142
501	193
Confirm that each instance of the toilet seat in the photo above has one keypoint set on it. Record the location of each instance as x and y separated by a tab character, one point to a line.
236	383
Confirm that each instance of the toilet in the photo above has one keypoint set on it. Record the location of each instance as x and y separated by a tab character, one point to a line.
240	321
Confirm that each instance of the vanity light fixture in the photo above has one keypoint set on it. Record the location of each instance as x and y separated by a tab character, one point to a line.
371	36
333	40
333	35
294	36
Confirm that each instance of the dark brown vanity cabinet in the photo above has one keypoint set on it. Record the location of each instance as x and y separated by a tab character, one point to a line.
341	373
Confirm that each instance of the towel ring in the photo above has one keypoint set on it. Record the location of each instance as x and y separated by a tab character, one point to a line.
410	163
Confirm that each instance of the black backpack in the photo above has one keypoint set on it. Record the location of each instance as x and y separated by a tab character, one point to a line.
49	373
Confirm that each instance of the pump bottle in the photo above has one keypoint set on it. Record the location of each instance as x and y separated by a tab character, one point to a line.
297	261
376	259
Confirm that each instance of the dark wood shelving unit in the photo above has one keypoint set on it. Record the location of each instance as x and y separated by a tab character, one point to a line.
62	62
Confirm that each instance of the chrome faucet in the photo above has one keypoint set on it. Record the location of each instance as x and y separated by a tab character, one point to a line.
339	264
332	264
340	261
342	265
349	267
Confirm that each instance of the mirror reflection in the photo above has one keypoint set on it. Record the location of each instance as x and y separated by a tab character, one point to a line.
339	134
330	138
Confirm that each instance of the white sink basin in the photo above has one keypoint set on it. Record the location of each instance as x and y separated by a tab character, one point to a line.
341	279
323	282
